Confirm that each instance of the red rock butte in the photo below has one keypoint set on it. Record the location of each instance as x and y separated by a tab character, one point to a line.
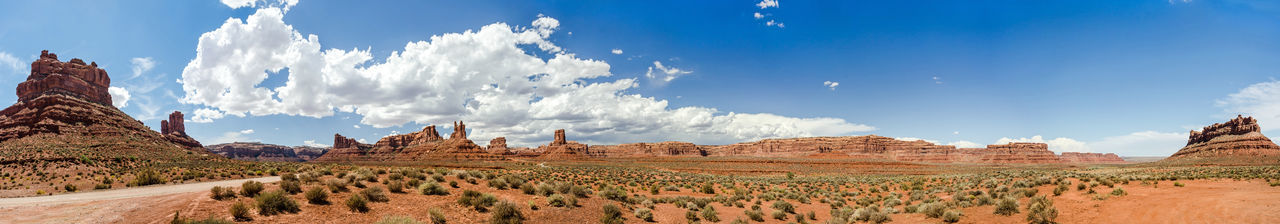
1237	137
422	145
73	78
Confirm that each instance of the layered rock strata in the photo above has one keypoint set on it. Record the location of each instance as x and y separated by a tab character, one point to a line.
1237	137
421	145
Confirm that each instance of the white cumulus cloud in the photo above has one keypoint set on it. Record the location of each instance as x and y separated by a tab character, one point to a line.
246	131
664	73
616	51
484	77
9	61
830	84
1260	100
313	143
1144	143
966	144
119	96
758	15
205	115
767	4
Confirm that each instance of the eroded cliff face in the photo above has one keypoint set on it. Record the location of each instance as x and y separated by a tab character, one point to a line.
561	148
649	149
872	146
498	146
1237	137
421	145
1086	157
175	131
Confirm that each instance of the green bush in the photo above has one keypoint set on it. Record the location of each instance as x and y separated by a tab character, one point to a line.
478	201
779	215
755	215
1041	211
336	185
784	206
221	193
317	195
395	186
432	188
557	200
70	187
951	216
240	211
709	213
357	203
250	188
612	215
1119	191
932	209
276	202
505	213
1007	206
147	177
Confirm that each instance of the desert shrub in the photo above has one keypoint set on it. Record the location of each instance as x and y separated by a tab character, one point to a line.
101	186
1041	211
951	216
693	216
395	186
645	214
289	177
375	194
1059	190
579	191
221	193
877	217
708	188
432	188
779	215
505	213
453	184
783	206
614	193
276	202
336	185
932	209
358	203
527	188
612	215
478	201
240	211
1119	191
544	189
755	215
70	187
709	213
1178	184
292	187
437	217
147	177
438	178
1080	186
498	184
1007	206
398	220
557	200
250	188
317	195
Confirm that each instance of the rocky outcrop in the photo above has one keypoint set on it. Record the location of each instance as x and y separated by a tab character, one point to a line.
649	149
308	153
1014	152
64	111
421	145
498	146
1238	137
559	148
175	131
1088	157
872	146
255	151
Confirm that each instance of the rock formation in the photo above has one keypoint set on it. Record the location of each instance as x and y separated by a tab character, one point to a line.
1088	157
648	149
64	111
421	145
872	146
255	151
175	131
1238	137
562	149
498	146
308	153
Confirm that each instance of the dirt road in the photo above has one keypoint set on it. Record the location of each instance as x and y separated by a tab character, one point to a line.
131	204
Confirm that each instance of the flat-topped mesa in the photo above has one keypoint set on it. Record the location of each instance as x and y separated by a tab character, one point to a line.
1088	157
649	149
73	78
422	145
1237	137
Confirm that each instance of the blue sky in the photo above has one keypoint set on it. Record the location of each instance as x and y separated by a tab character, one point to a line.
1129	77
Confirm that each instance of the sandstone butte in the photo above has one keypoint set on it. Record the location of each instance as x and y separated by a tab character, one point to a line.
422	145
869	146
65	107
1237	137
257	151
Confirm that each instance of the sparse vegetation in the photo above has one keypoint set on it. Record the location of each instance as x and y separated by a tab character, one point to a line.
276	202
506	213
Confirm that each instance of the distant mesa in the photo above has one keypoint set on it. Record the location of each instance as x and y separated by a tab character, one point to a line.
560	148
422	145
66	106
257	151
1237	137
